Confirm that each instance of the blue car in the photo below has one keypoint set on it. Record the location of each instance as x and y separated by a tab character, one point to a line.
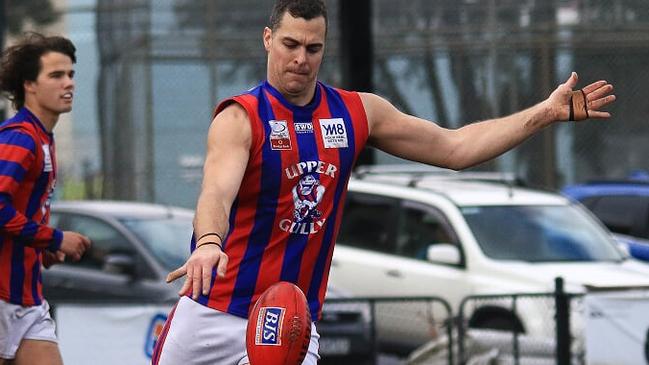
622	205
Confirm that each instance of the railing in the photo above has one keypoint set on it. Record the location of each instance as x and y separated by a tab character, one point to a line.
366	331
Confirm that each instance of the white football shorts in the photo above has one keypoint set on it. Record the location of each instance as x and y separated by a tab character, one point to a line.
19	323
198	335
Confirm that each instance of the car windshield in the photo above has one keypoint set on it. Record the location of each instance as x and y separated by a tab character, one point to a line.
167	238
539	234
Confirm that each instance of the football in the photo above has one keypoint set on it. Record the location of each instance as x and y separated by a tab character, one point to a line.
279	327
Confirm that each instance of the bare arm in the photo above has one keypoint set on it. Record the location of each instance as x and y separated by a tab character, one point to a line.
228	145
228	148
419	140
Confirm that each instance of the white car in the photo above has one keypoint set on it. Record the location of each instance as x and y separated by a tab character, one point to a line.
430	232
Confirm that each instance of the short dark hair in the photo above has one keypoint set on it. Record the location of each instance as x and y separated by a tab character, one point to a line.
22	62
307	9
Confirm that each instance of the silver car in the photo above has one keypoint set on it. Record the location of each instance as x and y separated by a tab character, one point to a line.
134	246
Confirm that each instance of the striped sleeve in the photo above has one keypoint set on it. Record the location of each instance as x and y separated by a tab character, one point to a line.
17	155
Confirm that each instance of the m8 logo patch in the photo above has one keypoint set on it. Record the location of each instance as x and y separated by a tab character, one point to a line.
269	326
334	133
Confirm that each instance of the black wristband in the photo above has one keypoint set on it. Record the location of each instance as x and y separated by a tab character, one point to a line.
210	234
209	243
583	95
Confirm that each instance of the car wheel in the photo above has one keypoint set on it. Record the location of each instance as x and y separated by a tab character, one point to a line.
498	321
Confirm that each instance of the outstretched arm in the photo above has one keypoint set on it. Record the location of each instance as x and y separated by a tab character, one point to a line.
419	140
228	145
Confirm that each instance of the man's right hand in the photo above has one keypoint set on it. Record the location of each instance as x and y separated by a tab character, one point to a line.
52	258
74	244
198	269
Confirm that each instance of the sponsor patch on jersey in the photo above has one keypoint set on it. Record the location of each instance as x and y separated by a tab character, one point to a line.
302	128
334	133
155	330
269	326
48	166
280	138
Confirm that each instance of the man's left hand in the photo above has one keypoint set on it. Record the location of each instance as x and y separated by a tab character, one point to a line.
597	95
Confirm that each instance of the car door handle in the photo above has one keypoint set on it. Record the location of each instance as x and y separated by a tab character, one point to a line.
394	273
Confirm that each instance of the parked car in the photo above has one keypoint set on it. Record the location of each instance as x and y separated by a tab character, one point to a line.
622	205
135	246
413	232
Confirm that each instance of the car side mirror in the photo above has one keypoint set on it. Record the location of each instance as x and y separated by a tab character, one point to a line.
444	253
624	249
119	263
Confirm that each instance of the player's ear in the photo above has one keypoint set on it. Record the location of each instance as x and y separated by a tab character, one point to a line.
28	86
268	37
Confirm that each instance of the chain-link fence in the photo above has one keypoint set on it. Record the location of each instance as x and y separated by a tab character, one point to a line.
523	329
488	329
165	65
162	66
383	326
526	328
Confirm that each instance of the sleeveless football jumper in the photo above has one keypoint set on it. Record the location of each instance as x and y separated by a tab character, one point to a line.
286	216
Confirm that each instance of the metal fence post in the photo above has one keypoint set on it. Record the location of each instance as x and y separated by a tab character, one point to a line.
516	345
373	336
449	333
562	307
461	333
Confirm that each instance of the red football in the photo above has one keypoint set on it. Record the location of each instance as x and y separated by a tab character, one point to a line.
279	327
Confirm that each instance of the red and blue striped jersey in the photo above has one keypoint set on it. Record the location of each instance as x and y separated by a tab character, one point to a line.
27	178
285	218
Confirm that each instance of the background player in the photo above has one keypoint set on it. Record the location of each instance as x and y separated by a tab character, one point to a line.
37	73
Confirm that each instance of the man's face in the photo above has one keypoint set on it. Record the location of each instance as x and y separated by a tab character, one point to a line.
52	92
295	51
